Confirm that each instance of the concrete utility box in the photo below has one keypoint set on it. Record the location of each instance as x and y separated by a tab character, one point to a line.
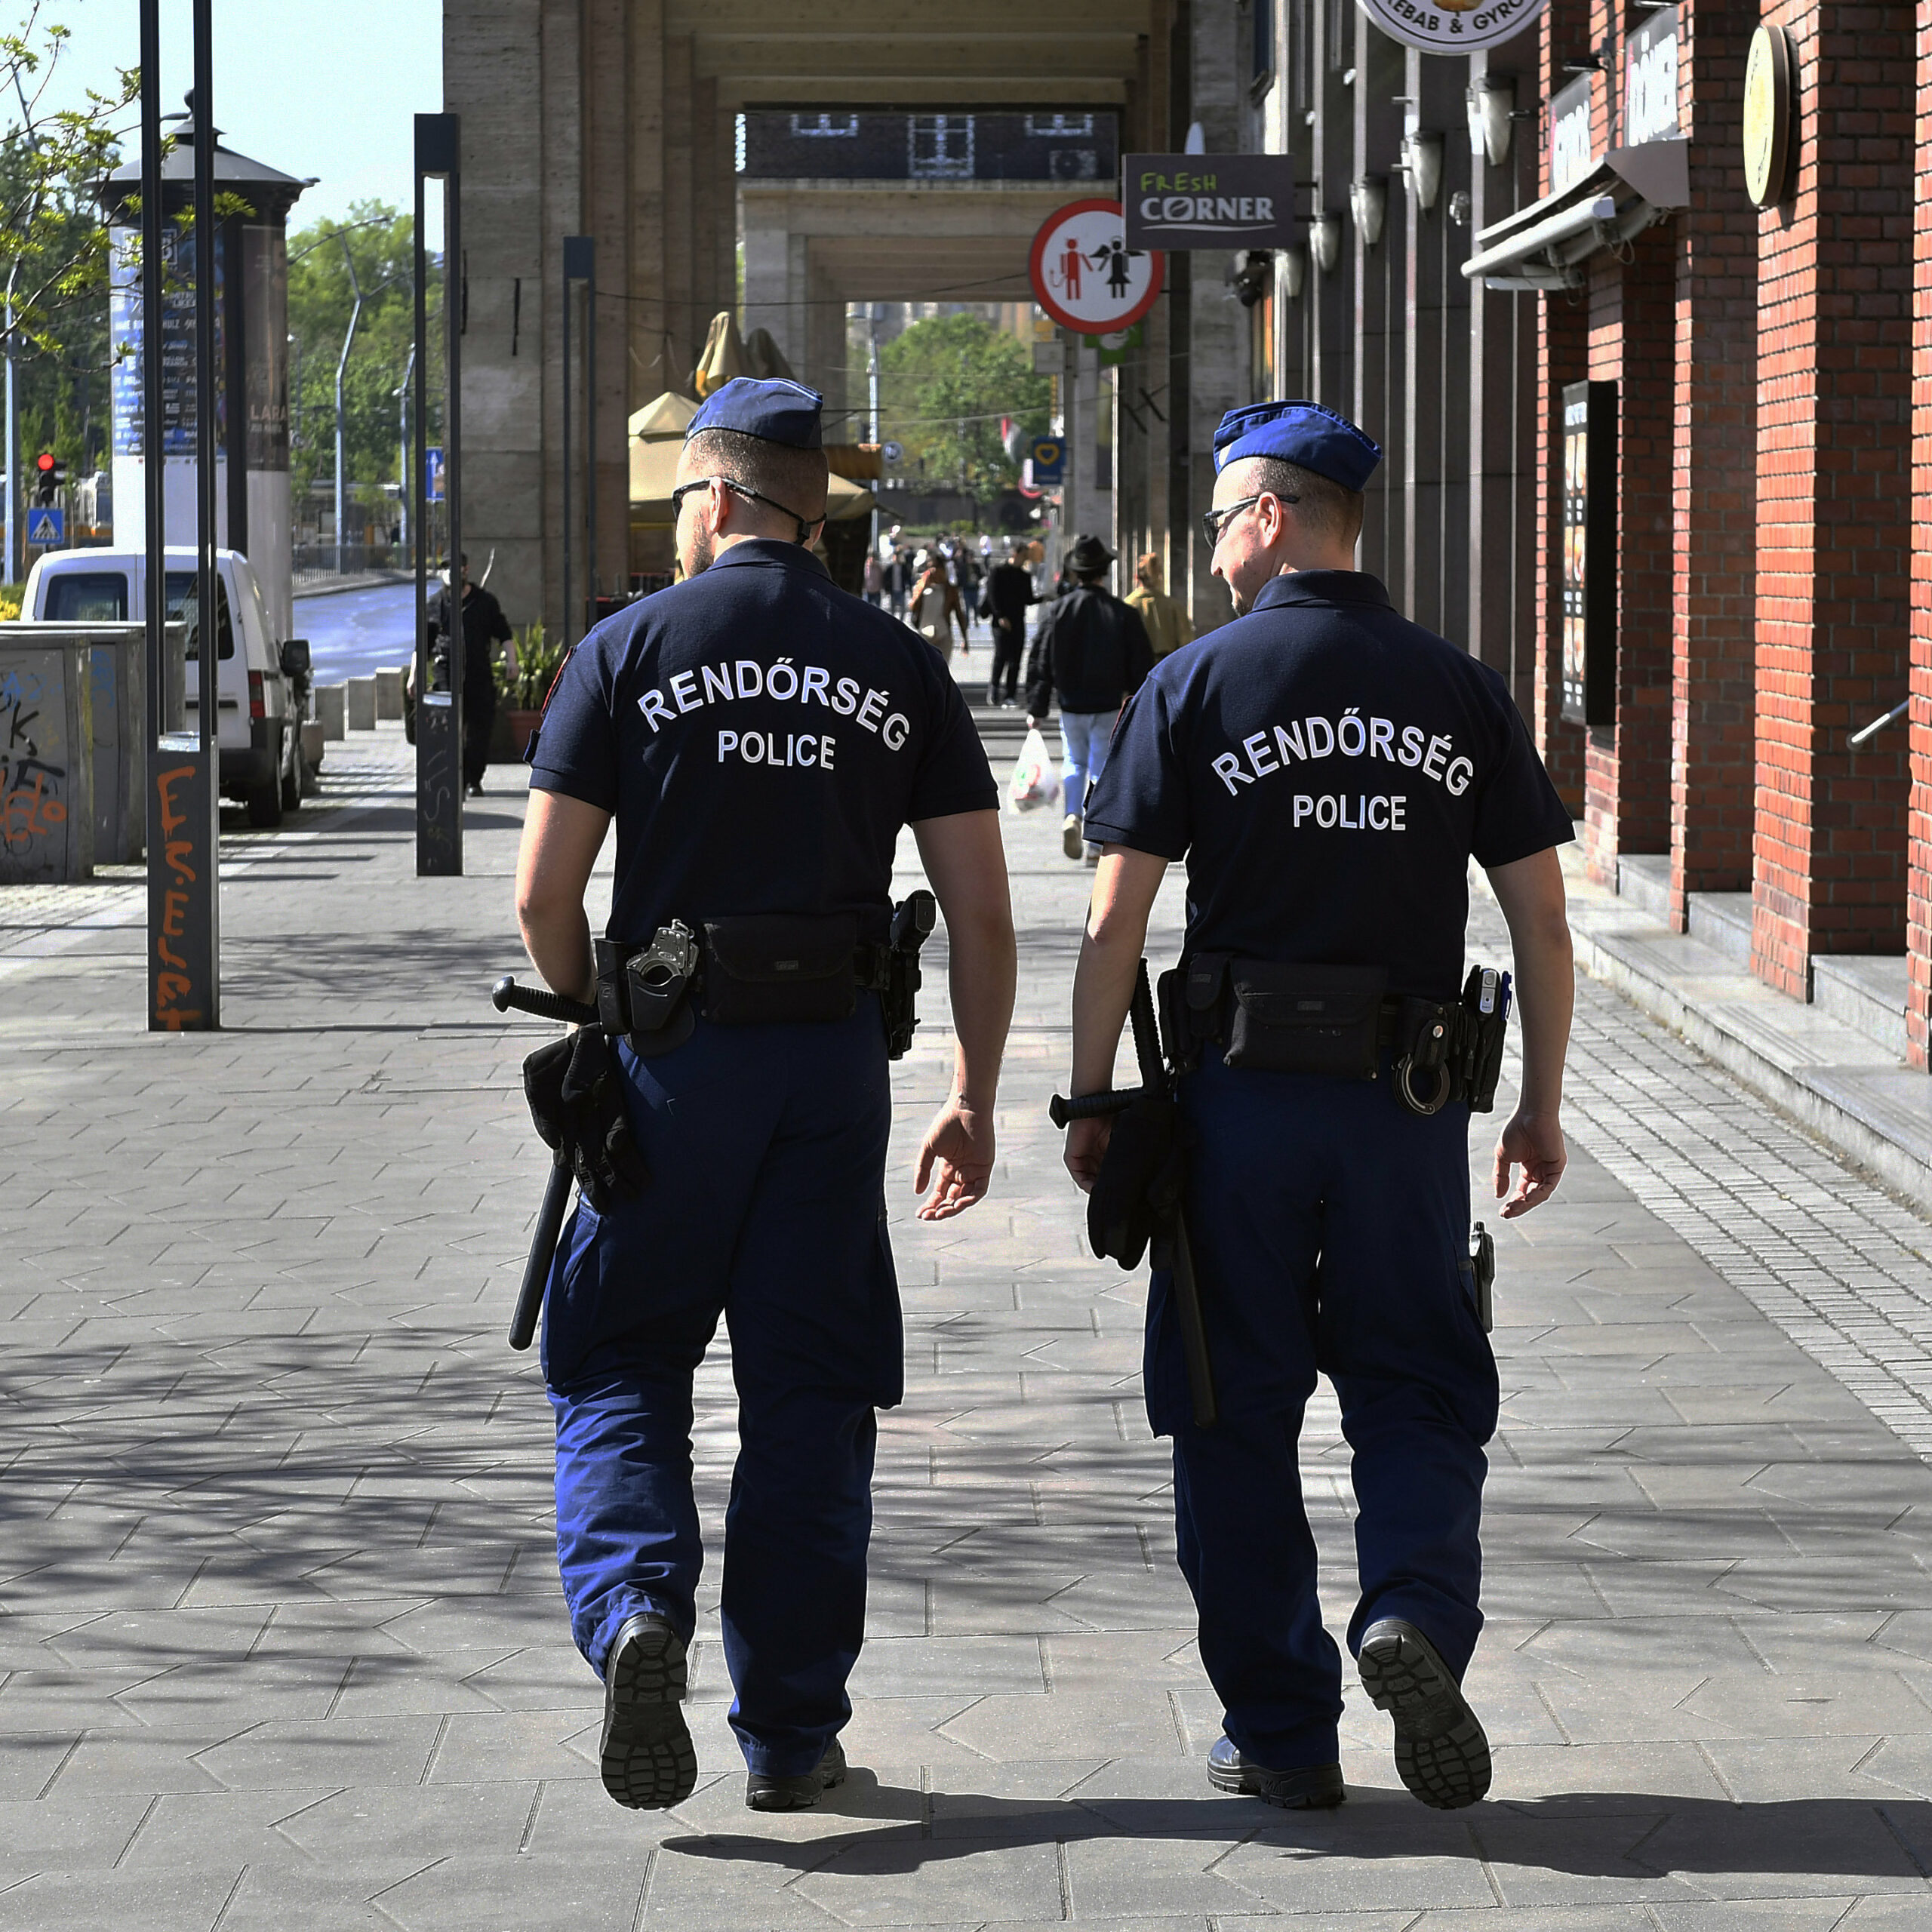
388	695
361	704
47	810
332	703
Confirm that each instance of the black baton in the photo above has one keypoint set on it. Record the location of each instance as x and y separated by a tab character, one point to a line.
557	1190
1172	1249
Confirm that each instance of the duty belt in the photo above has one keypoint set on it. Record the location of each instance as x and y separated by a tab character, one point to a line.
1281	1017
762	969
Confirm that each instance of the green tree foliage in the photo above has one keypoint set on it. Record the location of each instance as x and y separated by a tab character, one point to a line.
944	385
380	243
52	244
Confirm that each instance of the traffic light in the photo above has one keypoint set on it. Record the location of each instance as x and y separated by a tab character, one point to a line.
49	472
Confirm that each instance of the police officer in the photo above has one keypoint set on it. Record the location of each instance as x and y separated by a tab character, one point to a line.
760	737
1326	769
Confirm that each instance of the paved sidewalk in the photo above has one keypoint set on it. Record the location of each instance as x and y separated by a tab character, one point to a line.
279	1624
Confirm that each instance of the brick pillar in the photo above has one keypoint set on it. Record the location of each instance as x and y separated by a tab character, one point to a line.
1833	342
1918	895
1714	523
1626	795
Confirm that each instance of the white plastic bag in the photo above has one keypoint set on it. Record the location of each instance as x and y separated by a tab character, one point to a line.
1032	781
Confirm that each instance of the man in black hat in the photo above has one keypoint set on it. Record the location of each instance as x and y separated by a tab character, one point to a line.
485	630
1092	651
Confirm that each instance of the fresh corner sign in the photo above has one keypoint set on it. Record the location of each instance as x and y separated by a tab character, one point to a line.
1208	200
1453	26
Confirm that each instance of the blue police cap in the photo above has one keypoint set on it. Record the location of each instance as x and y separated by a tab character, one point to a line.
780	412
1298	432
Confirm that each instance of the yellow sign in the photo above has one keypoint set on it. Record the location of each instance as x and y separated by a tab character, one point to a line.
1767	116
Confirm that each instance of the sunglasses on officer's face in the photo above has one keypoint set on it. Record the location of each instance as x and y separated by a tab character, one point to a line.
1214	522
684	490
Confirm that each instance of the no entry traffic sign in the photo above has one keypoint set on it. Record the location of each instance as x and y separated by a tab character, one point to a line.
1085	276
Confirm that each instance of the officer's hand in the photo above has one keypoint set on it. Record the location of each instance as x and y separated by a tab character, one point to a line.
1086	1148
1536	1142
957	1154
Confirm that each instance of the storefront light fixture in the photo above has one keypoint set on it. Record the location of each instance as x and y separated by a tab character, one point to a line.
1492	105
1421	154
1324	242
1294	273
1369	199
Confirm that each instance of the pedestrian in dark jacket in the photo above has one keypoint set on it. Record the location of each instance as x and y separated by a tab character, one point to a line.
1092	651
1009	590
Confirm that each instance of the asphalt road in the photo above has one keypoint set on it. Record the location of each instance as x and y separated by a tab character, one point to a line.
352	632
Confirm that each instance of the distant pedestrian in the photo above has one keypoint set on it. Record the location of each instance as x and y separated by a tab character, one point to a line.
875	577
936	605
485	630
1168	626
1092	651
1009	590
898	578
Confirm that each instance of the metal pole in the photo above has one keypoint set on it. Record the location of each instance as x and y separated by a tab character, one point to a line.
580	265
404	495
341	417
590	418
235	377
8	572
567	240
439	714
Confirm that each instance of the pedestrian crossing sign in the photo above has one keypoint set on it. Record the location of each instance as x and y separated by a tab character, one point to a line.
47	529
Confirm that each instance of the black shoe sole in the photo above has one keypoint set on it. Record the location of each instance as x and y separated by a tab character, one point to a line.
1441	1753
1321	1790
648	1760
799	1794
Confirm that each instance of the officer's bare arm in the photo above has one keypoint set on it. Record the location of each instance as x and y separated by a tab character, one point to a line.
560	838
1124	890
1530	892
966	862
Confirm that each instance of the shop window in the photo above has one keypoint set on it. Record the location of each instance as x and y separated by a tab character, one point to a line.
941	147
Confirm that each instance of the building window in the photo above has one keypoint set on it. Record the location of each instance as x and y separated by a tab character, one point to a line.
1261	14
738	142
941	147
1072	163
817	127
1055	127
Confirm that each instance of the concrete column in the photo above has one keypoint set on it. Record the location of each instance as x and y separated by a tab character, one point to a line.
1918	898
1500	355
1215	373
1376	324
607	139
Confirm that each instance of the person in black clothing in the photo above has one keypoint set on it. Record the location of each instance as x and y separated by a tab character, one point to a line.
1093	651
1009	590
484	626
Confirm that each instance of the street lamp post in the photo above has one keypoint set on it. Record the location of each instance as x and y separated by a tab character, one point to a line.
341	416
404	494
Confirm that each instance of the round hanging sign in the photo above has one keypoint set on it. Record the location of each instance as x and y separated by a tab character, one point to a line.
1453	26
1768	114
1085	276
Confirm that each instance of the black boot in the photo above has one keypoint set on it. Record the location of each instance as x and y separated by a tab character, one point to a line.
1442	1754
647	1758
1313	1788
765	1792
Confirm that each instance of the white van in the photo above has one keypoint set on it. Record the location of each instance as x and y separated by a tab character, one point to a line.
261	677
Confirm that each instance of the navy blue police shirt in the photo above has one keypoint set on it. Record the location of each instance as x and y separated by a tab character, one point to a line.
761	737
1327	769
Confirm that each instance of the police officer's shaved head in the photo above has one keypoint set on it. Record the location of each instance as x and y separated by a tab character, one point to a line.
1322	504
797	479
765	437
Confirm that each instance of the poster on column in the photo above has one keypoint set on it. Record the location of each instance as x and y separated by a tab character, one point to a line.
1453	26
1589	553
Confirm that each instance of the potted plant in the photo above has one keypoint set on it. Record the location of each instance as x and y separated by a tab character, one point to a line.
521	693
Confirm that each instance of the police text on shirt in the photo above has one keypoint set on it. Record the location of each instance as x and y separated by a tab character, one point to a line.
1307	739
686	691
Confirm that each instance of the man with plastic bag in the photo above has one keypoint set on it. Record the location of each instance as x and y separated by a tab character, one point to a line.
1092	651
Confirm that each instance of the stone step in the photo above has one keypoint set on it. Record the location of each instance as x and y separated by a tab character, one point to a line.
1865	991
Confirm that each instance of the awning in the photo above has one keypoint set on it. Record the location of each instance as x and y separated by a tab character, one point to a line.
1542	246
